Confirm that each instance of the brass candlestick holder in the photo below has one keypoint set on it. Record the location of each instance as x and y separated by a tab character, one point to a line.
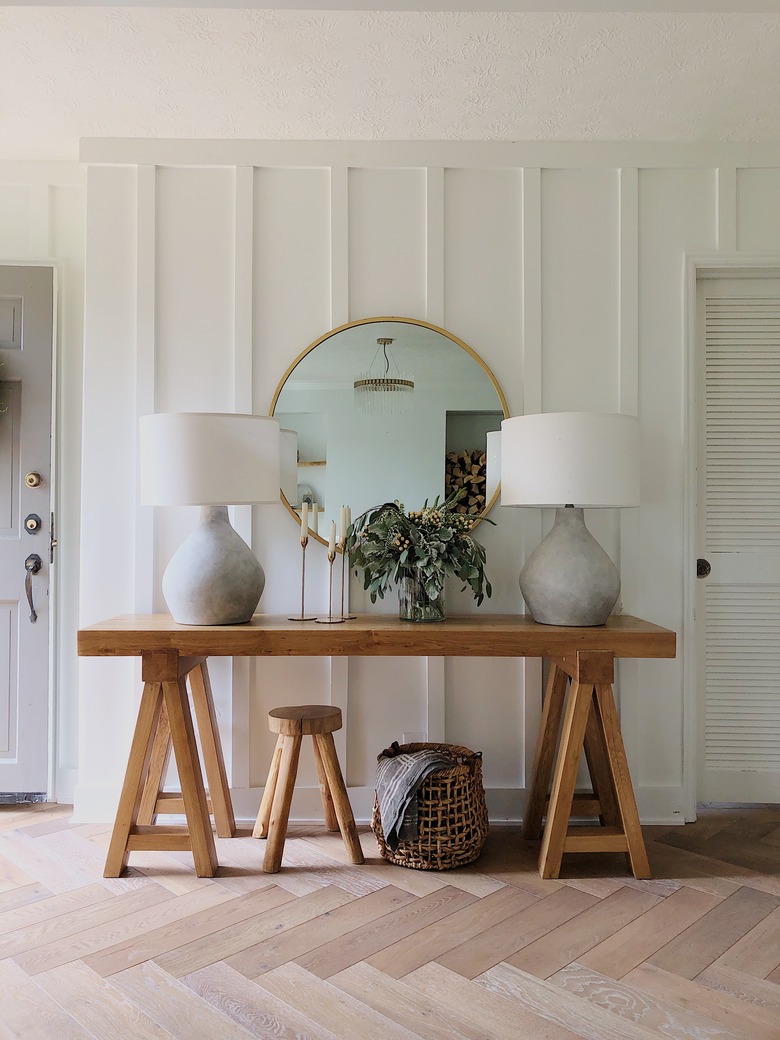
344	568
304	543
330	619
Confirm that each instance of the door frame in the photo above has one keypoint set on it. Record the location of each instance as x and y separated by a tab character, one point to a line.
53	721
695	268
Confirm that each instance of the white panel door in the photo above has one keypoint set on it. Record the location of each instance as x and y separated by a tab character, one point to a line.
738	600
26	308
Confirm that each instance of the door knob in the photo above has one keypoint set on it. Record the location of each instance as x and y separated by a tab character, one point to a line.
703	568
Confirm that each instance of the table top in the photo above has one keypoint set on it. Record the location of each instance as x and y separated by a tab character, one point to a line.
370	635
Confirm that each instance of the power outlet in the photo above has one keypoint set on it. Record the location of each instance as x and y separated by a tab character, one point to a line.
415	737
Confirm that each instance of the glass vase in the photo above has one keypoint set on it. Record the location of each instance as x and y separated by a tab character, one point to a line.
414	603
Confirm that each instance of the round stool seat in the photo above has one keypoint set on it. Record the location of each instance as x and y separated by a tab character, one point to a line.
304	719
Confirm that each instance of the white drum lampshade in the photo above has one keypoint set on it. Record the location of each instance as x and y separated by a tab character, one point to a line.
570	461
212	460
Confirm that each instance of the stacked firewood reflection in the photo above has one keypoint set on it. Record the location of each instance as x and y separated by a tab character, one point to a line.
467	469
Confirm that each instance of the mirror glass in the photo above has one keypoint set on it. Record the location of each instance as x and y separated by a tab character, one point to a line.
389	440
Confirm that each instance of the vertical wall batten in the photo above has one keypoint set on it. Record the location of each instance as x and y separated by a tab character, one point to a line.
628	404
145	378
236	727
434	242
531	403
40	221
339	246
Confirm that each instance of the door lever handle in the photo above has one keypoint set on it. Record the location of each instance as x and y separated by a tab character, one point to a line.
32	565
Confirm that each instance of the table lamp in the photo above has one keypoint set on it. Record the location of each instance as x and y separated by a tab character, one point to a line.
567	461
212	460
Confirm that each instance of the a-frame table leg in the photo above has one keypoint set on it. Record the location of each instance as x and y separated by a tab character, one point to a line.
565	778
544	756
213	759
141	749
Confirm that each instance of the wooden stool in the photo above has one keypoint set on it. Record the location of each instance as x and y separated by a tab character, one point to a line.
319	721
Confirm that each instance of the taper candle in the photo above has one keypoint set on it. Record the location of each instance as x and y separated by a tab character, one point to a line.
332	540
344	525
305	520
313	518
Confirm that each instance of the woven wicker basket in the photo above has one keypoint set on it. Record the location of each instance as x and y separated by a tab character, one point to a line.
452	815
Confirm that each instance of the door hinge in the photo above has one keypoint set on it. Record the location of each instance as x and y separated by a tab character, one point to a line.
52	540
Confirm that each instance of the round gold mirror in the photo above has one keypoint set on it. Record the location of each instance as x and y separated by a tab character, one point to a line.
384	409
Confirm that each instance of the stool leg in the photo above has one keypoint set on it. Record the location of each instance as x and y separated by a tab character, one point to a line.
280	811
338	791
331	821
264	814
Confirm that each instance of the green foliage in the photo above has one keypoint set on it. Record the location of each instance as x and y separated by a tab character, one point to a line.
388	544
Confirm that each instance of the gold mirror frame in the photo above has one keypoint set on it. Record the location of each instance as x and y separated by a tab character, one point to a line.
405	321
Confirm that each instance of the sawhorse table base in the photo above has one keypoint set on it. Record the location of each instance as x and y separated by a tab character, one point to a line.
591	723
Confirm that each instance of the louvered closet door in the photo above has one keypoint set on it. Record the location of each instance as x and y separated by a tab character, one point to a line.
738	604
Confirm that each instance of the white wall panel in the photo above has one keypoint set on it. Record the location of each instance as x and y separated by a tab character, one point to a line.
758	210
15	237
387	225
677	211
580	299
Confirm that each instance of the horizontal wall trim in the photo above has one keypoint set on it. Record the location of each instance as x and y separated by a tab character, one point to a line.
402	154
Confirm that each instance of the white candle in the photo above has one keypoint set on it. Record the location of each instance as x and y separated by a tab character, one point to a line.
313	521
344	524
305	520
332	540
349	516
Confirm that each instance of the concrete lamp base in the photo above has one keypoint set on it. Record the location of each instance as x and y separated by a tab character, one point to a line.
568	579
213	578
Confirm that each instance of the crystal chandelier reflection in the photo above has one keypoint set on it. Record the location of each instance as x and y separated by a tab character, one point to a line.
383	392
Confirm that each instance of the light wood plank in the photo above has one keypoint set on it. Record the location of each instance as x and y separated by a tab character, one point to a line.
636	1006
732	1014
298	941
254	1009
707	939
330	1006
761	996
500	1017
363	942
441	936
218	946
73	923
404	1005
173	1006
495	944
22	896
646	935
547	1000
758	951
99	1007
111	933
52	906
569	941
29	1013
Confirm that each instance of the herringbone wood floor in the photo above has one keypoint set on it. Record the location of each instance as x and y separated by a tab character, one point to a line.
325	949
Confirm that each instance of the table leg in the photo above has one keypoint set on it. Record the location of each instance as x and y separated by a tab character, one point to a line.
158	766
544	757
565	778
213	759
618	764
141	749
598	767
185	750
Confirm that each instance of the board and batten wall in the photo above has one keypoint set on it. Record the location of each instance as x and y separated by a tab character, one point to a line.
211	265
42	219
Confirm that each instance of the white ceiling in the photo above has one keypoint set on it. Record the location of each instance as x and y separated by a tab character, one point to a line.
69	72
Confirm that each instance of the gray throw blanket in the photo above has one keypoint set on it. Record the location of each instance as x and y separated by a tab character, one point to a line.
398	779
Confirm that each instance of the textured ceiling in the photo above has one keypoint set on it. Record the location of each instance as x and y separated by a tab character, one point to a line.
72	72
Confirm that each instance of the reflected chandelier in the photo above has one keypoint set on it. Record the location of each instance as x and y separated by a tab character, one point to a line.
377	391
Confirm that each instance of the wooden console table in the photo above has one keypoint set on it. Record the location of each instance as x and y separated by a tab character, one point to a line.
171	654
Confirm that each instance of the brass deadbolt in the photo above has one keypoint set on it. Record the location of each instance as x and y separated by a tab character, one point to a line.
33	480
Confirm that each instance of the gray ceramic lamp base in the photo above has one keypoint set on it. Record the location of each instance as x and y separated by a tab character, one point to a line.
213	578
568	579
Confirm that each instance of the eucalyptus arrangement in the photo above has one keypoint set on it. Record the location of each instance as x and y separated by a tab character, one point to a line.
416	550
